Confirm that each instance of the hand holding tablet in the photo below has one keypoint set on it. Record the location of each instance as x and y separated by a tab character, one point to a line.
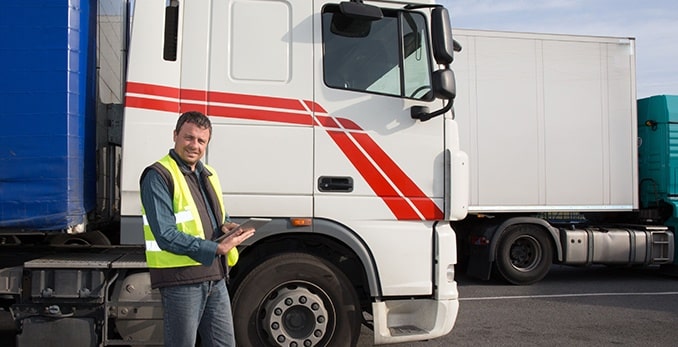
252	223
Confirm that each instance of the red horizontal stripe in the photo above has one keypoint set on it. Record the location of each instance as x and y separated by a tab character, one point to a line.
187	106
193	95
212	96
262	115
256	100
152	89
219	111
152	104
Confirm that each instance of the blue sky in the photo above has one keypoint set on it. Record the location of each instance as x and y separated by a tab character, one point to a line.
653	23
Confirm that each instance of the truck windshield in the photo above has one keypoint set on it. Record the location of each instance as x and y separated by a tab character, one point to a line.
390	56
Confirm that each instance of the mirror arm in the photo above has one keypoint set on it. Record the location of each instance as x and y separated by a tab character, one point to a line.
421	112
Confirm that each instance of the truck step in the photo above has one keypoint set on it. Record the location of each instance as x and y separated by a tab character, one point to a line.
406	330
661	244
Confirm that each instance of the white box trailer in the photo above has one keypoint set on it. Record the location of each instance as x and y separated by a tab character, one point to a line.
549	124
549	121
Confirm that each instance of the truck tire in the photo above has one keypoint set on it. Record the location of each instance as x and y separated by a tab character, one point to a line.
90	238
524	254
296	299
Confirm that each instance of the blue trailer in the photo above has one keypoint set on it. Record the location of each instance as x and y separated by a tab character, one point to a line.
61	92
48	93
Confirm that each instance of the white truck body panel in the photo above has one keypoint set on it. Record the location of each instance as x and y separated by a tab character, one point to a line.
548	121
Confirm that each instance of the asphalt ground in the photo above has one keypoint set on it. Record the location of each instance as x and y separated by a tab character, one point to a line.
599	306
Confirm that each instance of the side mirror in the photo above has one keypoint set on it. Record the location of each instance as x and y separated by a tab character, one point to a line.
357	10
441	36
354	19
444	87
444	84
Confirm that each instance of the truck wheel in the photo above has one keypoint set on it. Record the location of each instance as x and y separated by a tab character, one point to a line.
296	299
524	254
90	238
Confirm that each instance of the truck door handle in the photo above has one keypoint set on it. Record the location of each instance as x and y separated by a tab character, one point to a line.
335	184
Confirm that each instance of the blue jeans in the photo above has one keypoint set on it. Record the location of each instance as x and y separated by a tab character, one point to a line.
203	308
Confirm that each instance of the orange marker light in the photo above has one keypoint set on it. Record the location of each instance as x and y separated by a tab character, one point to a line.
301	222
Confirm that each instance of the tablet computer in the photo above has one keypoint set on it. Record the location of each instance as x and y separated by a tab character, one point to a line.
254	223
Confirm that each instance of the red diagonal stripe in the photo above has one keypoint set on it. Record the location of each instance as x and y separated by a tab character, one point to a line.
348	124
314	106
400	208
327	122
407	187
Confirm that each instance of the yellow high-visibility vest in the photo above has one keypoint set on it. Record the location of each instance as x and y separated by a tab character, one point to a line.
187	219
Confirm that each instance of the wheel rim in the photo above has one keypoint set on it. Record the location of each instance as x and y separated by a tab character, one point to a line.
525	253
295	315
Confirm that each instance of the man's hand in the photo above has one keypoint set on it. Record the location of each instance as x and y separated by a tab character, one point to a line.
233	240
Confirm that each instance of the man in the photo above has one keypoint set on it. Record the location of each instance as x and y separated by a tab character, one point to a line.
183	212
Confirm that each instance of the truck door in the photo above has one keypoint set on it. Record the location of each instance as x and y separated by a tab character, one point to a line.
375	167
259	79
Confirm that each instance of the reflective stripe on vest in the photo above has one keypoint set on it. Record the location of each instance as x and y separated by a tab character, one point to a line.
187	219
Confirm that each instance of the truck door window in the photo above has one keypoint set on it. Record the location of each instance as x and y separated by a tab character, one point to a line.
171	31
390	58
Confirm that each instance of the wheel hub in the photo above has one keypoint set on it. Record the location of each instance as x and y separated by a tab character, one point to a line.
525	253
295	317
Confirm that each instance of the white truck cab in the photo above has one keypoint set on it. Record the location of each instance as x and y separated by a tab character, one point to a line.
332	118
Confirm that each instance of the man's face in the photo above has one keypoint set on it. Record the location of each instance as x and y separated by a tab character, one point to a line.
190	143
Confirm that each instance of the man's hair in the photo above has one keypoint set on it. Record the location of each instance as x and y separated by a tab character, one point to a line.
195	117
